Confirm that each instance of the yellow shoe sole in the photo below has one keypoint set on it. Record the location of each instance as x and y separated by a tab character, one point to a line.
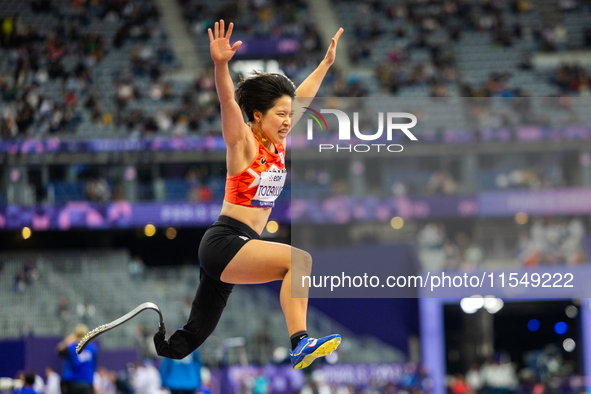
327	348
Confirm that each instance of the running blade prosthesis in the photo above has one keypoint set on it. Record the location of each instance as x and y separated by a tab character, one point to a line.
109	326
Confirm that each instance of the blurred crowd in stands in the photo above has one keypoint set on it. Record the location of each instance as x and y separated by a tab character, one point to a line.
189	376
251	18
438	27
26	276
51	78
263	19
425	27
530	178
198	107
438	251
491	377
572	79
182	182
547	241
50	81
544	371
204	182
141	377
552	241
36	57
68	54
66	51
82	312
439	182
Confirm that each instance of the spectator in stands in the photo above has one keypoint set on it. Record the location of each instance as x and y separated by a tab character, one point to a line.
500	377
20	283
474	379
201	193
85	311
143	344
437	251
39	385
315	383
53	382
136	268
126	93
146	378
31	273
97	189
460	386
399	189
553	242
104	381
430	242
28	380
441	183
473	256
78	375
182	376
92	103
181	126
198	190
439	90
531	178
453	255
63	314
571	78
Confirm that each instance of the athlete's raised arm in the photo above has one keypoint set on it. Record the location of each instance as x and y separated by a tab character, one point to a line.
310	86
233	127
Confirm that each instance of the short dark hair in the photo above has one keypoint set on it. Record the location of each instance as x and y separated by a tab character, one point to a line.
262	91
30	378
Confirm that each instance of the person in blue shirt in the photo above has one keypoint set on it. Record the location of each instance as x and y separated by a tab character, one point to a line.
28	380
78	374
182	376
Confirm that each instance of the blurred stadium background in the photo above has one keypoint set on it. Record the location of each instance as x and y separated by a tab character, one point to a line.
112	167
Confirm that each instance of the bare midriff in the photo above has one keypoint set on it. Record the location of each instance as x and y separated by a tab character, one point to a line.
254	217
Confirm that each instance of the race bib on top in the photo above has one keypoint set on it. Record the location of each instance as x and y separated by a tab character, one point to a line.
269	189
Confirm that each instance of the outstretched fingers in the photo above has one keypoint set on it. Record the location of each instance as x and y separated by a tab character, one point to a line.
230	28
220	31
219	42
335	39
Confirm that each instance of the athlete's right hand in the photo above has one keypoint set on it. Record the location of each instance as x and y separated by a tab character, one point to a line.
219	45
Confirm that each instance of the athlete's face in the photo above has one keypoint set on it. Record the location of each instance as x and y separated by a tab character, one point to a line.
276	123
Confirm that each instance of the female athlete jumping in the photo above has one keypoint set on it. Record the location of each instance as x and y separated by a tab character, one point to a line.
231	251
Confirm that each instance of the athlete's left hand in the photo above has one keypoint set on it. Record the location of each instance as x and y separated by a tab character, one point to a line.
331	54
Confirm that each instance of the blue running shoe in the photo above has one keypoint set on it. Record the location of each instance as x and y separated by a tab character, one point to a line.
309	349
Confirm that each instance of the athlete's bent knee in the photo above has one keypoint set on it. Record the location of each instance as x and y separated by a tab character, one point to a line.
206	310
303	261
178	346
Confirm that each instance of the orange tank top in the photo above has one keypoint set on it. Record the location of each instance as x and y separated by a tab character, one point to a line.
261	182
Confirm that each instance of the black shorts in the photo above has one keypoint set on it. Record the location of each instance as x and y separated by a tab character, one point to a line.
221	242
76	387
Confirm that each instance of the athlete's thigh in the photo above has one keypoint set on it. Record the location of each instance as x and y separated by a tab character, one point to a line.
259	262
